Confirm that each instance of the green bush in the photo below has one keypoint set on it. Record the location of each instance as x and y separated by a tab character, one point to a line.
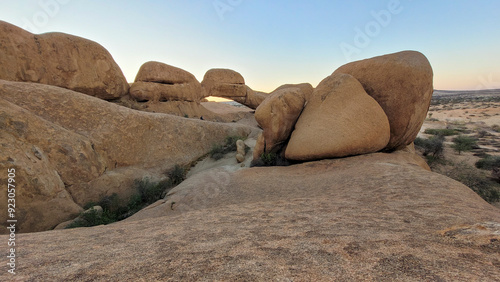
217	152
269	159
177	175
464	143
148	192
433	145
489	163
93	218
477	181
441	132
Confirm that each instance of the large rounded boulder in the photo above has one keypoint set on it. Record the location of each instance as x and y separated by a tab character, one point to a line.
402	84
61	60
277	115
340	119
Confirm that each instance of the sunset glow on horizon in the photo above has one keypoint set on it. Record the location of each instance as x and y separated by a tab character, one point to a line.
280	42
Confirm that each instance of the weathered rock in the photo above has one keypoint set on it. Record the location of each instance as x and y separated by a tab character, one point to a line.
59	59
258	150
240	147
277	116
164	74
402	84
63	141
157	81
306	88
371	217
156	92
252	98
240	158
224	83
240	151
339	120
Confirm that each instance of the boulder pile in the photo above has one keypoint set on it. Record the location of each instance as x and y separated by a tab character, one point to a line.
372	105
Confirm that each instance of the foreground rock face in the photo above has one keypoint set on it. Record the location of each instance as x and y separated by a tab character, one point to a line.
402	84
70	149
371	217
339	120
59	59
157	81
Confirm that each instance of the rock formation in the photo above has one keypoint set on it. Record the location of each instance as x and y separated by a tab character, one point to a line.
59	59
252	99
240	151
277	115
372	217
402	84
71	148
157	81
224	83
339	120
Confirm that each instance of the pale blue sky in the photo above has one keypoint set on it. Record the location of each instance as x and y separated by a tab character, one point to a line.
276	42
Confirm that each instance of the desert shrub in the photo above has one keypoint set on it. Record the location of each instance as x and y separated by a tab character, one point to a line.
218	151
489	163
496	128
441	132
477	181
433	145
464	143
149	191
93	218
269	159
177	175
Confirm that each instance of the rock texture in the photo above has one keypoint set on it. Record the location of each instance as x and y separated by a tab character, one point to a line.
340	119
305	88
252	98
402	84
224	83
59	59
372	217
240	151
157	81
277	116
71	148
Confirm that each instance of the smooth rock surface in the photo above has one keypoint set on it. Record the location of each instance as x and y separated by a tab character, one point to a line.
59	59
277	115
71	148
370	217
402	84
339	120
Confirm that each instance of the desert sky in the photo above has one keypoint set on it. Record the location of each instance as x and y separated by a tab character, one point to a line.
284	41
